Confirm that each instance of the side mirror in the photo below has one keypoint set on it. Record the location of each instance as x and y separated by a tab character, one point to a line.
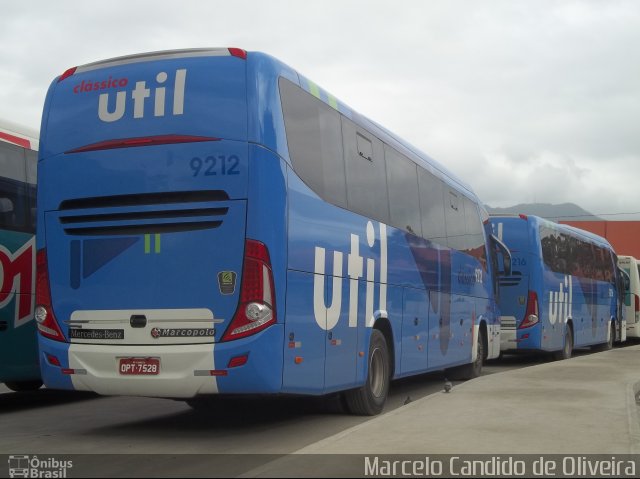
626	281
504	252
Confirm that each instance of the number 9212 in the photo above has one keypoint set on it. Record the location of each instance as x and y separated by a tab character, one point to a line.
215	165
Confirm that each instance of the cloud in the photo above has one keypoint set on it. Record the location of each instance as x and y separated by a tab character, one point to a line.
506	94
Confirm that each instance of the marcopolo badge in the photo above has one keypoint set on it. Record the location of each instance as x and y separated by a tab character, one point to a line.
227	282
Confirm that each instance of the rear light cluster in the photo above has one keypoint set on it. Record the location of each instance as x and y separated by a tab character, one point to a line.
531	316
47	324
256	310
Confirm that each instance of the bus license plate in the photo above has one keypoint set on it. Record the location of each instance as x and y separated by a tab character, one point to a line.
139	366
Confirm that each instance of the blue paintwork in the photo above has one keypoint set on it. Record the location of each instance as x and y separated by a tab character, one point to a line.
238	102
52	375
594	302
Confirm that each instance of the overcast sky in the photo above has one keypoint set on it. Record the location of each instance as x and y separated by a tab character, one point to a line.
526	100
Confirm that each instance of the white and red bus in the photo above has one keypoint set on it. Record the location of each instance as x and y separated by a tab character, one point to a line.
19	365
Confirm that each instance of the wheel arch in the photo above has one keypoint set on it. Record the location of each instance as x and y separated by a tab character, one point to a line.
383	325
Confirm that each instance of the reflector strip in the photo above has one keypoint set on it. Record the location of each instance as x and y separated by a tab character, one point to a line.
211	372
142	141
73	371
238	361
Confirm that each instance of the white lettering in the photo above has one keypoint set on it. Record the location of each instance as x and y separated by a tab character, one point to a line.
355	273
103	112
178	92
561	302
327	318
139	95
158	109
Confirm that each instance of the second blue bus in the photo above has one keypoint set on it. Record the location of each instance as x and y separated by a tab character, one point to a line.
563	290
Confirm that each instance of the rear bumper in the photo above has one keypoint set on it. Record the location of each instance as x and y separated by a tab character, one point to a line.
183	368
633	330
508	340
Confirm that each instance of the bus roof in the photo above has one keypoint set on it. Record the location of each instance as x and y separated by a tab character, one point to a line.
587	235
18	135
382	133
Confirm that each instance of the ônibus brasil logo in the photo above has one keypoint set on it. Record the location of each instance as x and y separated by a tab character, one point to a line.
17	280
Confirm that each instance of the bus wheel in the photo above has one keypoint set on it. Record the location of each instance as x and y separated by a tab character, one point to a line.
369	399
22	386
567	349
474	369
609	344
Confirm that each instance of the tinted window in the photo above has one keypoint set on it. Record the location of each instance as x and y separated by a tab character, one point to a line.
315	142
474	240
366	172
566	254
432	207
32	177
13	198
454	217
404	199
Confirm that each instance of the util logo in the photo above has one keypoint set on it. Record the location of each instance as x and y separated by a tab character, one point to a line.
561	301
17	279
139	96
355	270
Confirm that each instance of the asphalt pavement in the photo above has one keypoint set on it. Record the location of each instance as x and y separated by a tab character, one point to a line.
586	405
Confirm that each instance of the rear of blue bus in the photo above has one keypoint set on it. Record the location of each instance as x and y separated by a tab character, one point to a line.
518	297
149	281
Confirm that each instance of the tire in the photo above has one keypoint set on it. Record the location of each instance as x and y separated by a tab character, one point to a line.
23	386
567	347
613	338
474	369
370	399
609	344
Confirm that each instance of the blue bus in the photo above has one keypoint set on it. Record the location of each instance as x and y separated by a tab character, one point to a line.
19	364
562	292
215	223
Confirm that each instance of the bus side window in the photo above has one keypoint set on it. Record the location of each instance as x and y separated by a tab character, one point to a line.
314	138
366	172
456	228
404	199
13	202
32	178
432	207
474	239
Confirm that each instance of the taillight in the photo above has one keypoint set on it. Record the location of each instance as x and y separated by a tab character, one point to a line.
238	52
637	302
256	309
67	73
531	315
47	324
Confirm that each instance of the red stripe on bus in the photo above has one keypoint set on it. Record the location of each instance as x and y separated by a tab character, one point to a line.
15	139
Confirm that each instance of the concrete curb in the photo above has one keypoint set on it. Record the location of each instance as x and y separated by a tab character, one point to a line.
633	413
